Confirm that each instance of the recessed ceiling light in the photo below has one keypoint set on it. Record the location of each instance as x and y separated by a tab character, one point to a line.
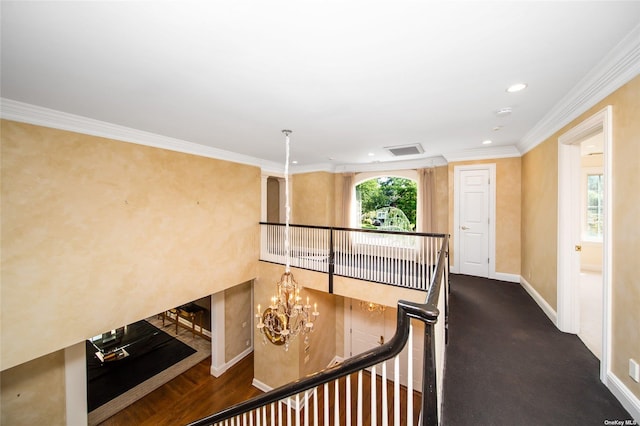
486	142
516	87
503	112
371	154
294	162
497	128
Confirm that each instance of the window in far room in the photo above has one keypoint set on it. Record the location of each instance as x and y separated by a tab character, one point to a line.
593	217
387	203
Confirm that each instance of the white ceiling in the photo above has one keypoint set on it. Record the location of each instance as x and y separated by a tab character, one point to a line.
349	78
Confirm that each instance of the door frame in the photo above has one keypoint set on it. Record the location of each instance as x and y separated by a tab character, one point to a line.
491	167
568	273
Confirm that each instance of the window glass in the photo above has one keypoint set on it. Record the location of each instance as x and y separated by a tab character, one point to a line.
594	219
387	203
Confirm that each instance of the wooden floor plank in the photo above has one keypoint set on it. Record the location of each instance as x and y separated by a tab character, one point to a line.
196	394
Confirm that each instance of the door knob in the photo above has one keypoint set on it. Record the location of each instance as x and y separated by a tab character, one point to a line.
381	341
464	228
578	247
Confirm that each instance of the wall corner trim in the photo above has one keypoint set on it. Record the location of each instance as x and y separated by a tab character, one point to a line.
546	308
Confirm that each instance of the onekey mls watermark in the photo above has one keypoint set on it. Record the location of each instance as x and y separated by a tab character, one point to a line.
629	422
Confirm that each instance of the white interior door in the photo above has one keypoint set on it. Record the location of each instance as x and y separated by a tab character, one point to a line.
473	222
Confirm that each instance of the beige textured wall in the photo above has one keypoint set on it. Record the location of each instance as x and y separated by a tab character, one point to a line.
313	199
98	233
540	219
273	199
273	365
238	316
508	207
539	223
442	199
34	393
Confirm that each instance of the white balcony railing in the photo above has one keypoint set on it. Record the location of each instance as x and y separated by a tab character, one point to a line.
395	258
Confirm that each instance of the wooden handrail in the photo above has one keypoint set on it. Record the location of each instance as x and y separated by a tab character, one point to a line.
427	312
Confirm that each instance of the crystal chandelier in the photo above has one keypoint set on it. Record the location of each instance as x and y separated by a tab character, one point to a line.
286	317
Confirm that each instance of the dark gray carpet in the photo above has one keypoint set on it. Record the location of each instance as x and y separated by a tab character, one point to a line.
507	364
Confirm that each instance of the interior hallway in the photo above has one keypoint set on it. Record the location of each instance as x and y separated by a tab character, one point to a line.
507	364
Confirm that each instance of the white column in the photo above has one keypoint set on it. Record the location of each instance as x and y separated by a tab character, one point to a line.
75	375
218	362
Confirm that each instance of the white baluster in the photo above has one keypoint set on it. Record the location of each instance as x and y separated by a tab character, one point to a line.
336	404
258	422
374	400
306	408
383	396
326	404
273	414
347	399
279	413
410	376
360	398
315	407
251	418
396	391
264	415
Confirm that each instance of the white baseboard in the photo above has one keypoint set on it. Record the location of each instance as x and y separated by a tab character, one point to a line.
502	276
546	308
217	371
628	400
262	386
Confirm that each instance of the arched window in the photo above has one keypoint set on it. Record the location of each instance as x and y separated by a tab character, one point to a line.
387	203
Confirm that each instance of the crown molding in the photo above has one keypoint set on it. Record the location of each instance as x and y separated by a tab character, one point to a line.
485	153
385	166
617	68
33	114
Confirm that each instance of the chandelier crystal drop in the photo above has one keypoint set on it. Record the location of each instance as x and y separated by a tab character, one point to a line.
287	316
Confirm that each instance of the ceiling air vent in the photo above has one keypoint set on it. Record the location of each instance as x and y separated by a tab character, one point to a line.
402	150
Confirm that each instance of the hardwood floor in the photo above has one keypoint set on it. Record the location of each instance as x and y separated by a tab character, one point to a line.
196	394
190	396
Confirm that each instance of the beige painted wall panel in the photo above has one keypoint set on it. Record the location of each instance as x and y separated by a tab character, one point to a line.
313	199
540	219
34	393
508	205
626	232
238	316
272	364
320	348
442	199
98	233
539	223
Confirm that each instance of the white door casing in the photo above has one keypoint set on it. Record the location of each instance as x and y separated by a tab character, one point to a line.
474	220
568	265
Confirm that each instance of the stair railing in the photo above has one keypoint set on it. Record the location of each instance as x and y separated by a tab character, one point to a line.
267	409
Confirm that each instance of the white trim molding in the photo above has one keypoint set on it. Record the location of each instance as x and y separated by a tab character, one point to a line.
569	230
623	394
219	370
37	115
488	153
617	68
546	308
